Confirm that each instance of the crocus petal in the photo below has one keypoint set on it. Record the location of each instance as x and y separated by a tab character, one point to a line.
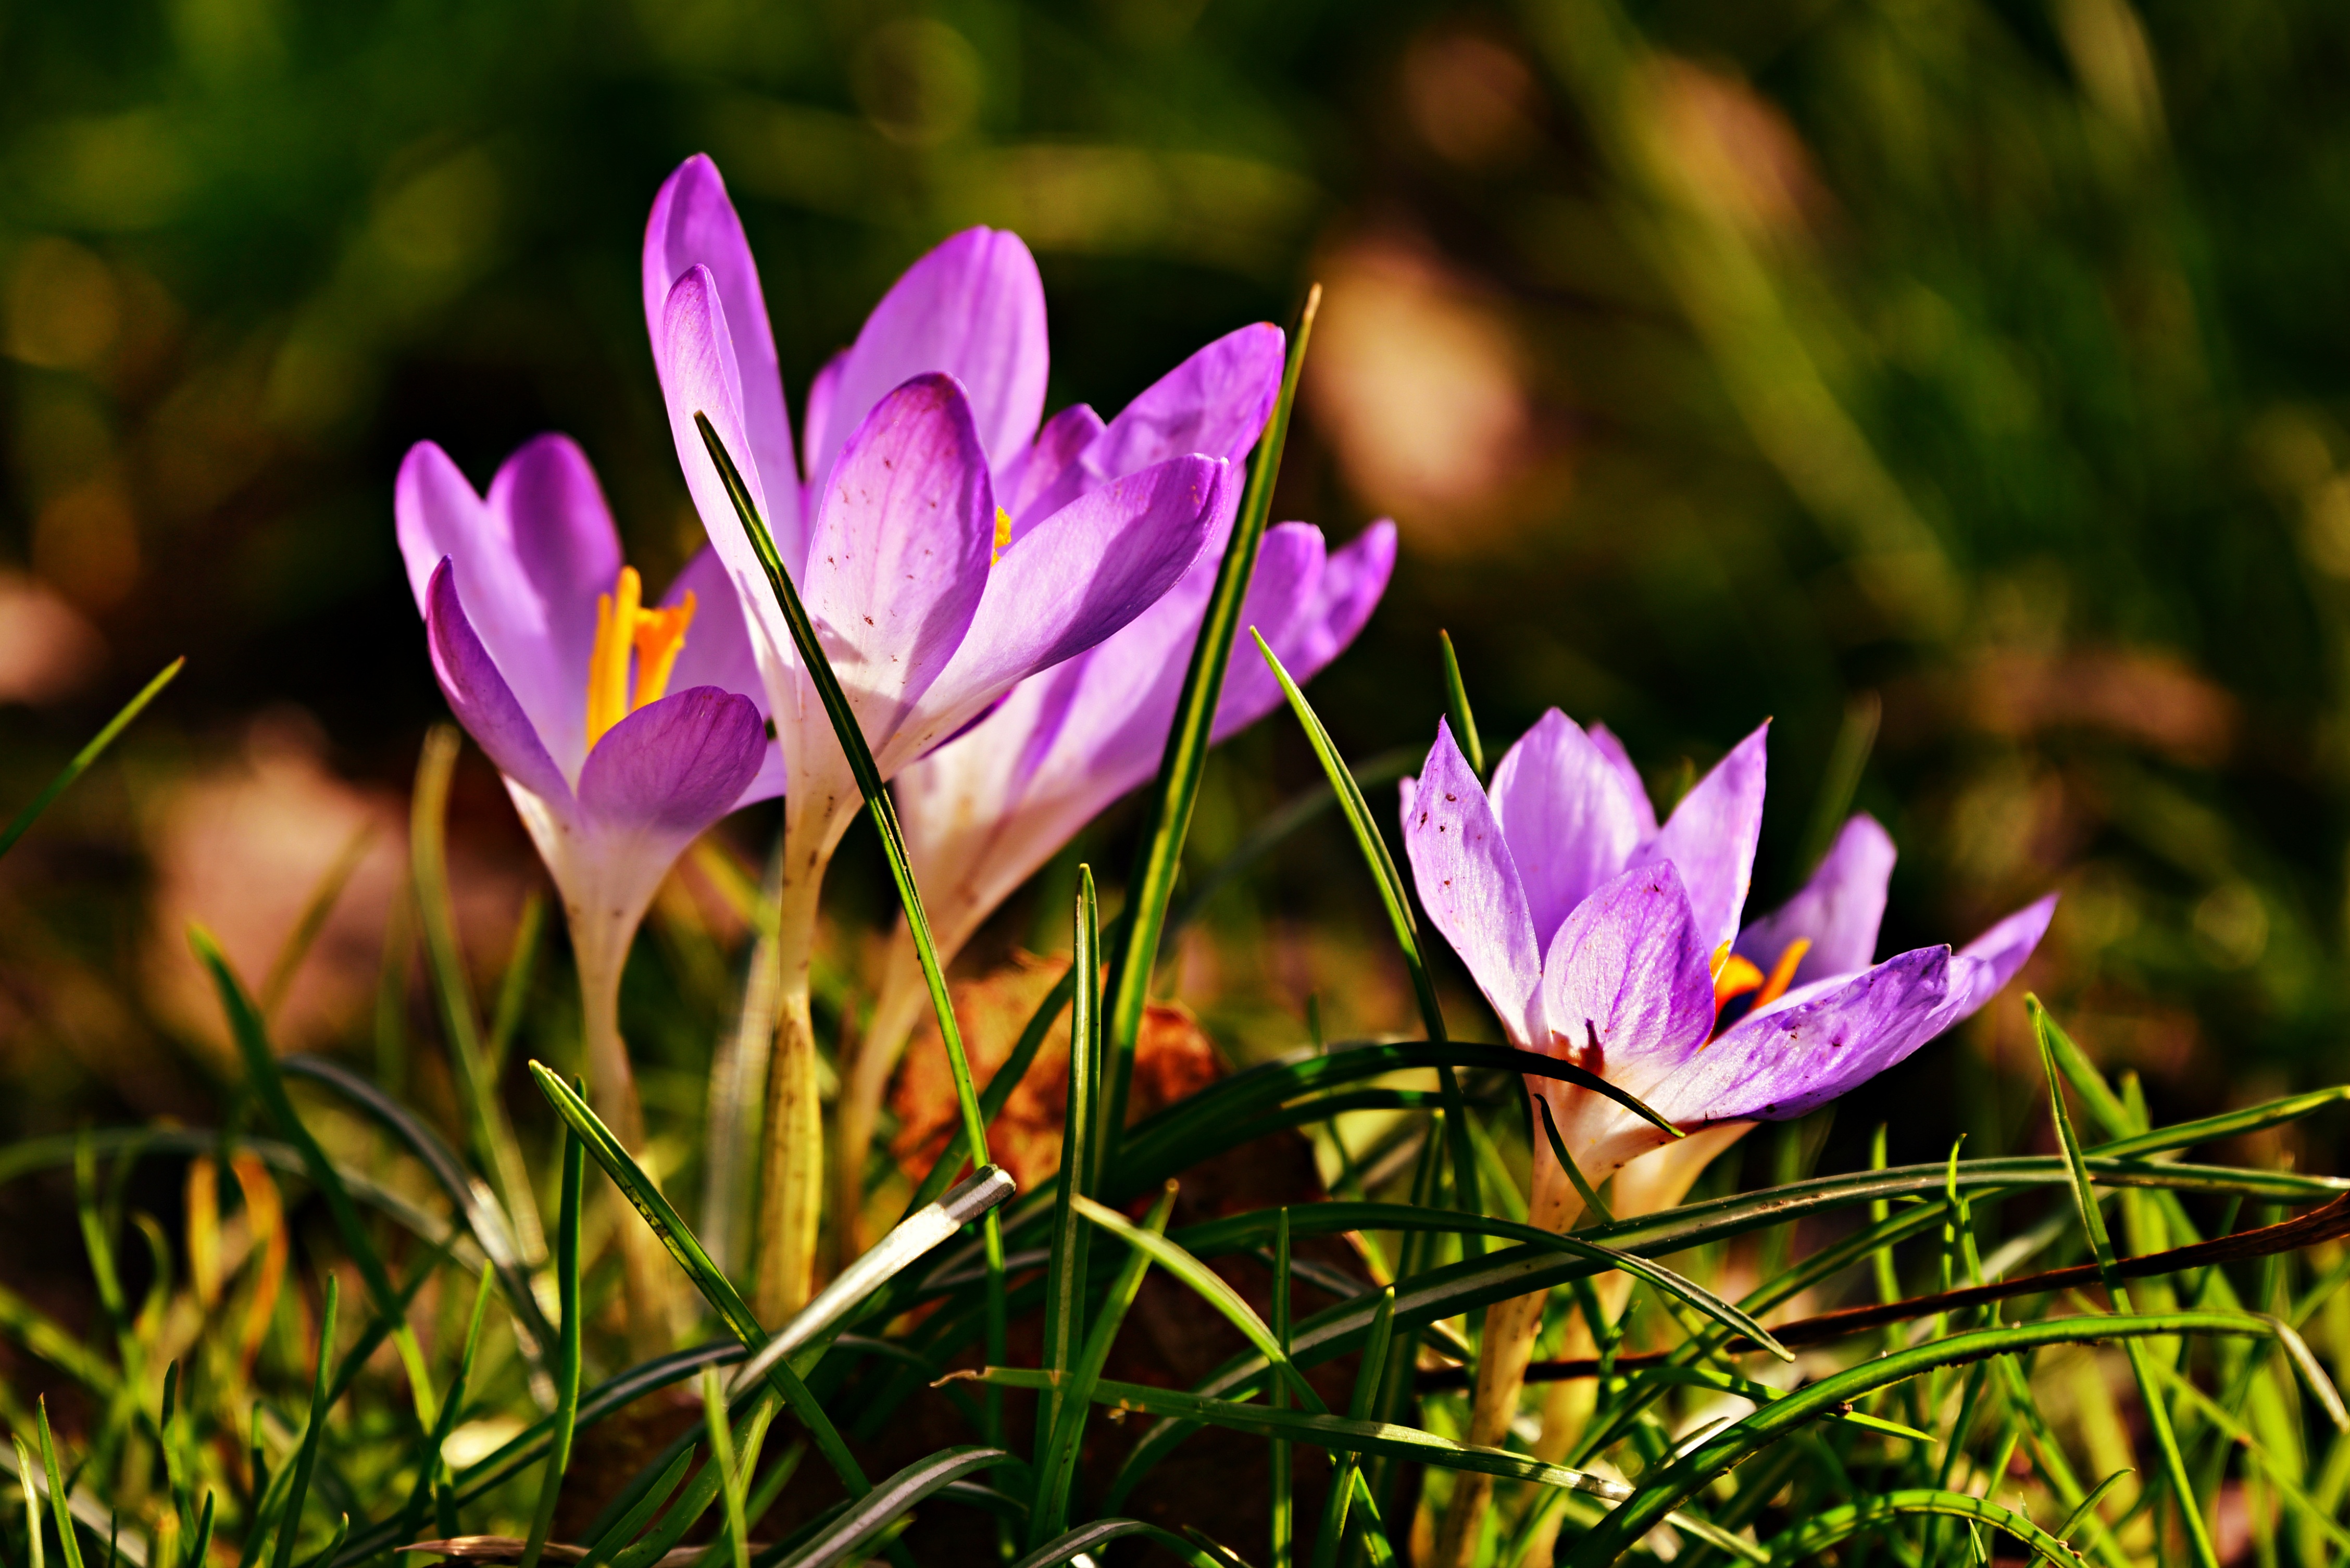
531	559
1325	624
481	697
698	376
1837	912
1780	1064
719	652
1215	404
1075	578
1710	838
675	766
1470	886
1570	825
1624	985
1621	761
897	557
974	310
1985	965
1031	487
817	420
1289	568
694	224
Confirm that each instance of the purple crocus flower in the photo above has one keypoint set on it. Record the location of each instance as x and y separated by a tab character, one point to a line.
622	731
1604	938
945	549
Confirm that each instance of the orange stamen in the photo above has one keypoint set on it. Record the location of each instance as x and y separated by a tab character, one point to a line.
1783	973
623	626
1003	535
1733	979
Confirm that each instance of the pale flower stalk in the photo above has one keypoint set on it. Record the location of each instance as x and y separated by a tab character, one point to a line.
1604	938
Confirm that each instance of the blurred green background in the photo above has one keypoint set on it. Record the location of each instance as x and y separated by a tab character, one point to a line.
1963	383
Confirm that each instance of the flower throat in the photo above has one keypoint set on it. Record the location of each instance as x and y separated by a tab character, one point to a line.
624	625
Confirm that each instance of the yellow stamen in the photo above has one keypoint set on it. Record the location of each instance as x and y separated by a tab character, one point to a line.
1783	973
623	626
1733	977
1003	535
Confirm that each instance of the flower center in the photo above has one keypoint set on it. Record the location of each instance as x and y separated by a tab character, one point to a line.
624	626
1734	977
1003	535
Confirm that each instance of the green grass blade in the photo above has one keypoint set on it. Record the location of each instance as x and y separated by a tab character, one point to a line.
624	1529
306	1458
2088	1502
492	1133
1277	1395
34	1552
428	1464
851	735
645	1198
1088	1539
1056	1463
721	1458
1065	1274
871	1515
1204	1283
1395	898
1283	823
566	1358
200	1548
1456	707
2056	1048
1167	813
1815	1534
87	755
1583	1189
68	1545
513	985
1368	1379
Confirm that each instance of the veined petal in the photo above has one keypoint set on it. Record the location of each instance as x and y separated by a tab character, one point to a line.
1072	580
1782	1064
1571	826
1621	761
974	310
1837	912
692	224
1985	965
531	560
480	696
897	557
719	652
1625	987
1470	886
1710	838
673	767
1030	487
1333	609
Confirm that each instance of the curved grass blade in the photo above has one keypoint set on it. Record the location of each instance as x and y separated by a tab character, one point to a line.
1056	1463
625	1528
1283	823
647	1198
1397	900
492	1231
87	755
1088	1539
721	1459
1456	706
1369	1377
1676	1484
1064	1273
306	1458
749	1435
2280	1477
566	1358
2053	1040
871	1515
1166	815
486	1121
68	1545
34	1552
428	1462
906	1244
1816	1534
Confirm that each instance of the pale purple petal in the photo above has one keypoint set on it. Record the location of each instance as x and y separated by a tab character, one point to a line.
718	652
1986	965
1340	601
1710	838
697	377
694	224
817	420
1625	983
480	696
1029	487
897	557
1837	912
1289	568
674	767
1075	579
1570	825
1215	404
1621	761
974	310
1781	1065
1470	886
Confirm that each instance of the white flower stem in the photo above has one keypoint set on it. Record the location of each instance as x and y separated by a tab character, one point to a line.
905	997
648	1278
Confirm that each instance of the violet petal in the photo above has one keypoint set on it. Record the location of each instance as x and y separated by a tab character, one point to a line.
480	696
1837	912
1710	838
1621	761
1571	826
675	766
1626	974
1469	884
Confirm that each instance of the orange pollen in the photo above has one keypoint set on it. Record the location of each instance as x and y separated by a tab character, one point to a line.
624	626
1733	977
1003	535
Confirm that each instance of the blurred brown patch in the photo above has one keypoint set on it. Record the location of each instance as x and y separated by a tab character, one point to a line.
1172	1059
46	649
2151	698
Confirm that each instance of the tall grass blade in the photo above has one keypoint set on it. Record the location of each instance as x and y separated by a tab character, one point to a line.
568	1349
2055	1045
68	1545
1065	1274
485	1118
513	985
1167	811
1278	1396
34	1552
306	1458
86	756
871	1515
1088	1539
1456	706
1816	1534
1369	1377
428	1462
721	1459
1277	828
645	1198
